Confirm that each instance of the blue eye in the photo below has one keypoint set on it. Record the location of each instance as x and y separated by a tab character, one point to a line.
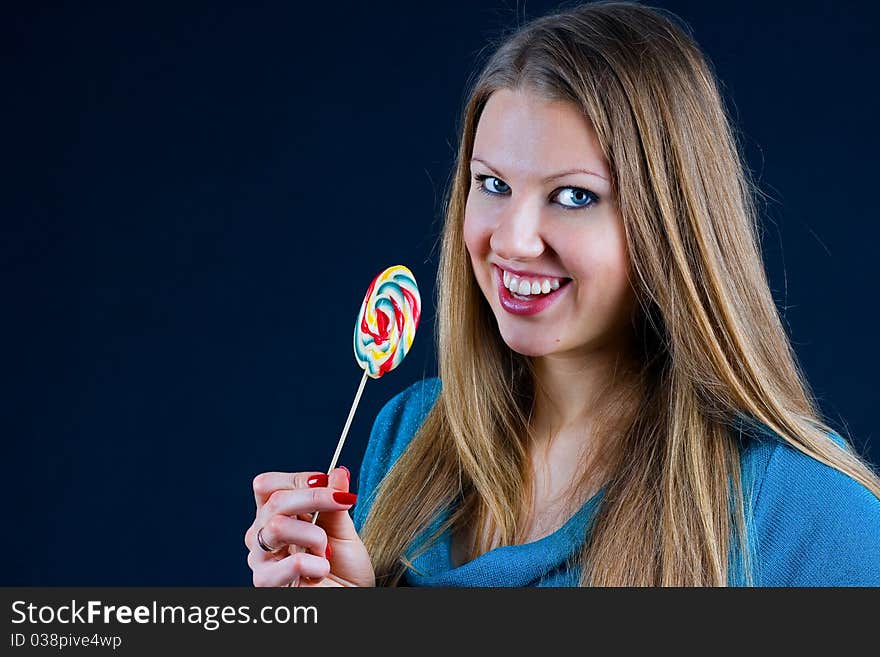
580	198
482	186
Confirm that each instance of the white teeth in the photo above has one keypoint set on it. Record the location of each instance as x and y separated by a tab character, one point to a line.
524	287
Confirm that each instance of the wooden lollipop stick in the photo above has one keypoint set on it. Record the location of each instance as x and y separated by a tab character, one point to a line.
357	399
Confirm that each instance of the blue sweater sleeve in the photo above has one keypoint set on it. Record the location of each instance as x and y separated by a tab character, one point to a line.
815	525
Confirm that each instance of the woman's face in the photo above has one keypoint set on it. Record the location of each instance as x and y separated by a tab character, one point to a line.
540	221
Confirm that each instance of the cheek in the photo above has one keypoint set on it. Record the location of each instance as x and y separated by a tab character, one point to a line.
476	235
596	257
612	273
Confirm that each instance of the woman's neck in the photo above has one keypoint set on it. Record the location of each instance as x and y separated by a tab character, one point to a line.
571	392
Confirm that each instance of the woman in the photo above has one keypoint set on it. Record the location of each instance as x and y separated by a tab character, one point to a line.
619	404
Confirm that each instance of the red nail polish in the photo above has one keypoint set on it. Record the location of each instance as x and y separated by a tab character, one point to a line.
317	481
344	498
329	552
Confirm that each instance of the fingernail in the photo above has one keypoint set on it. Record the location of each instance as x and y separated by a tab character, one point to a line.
317	481
344	498
329	552
347	473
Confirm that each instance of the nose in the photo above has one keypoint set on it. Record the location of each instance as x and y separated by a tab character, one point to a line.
517	235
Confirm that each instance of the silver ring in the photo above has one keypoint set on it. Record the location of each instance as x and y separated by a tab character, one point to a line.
261	543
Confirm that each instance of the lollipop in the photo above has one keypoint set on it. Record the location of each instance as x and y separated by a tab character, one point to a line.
383	334
387	323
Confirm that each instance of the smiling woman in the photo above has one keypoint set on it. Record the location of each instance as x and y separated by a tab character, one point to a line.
618	403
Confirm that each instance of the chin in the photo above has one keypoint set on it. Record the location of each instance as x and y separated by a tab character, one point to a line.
527	347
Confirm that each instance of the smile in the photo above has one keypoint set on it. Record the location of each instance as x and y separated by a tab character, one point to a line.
527	304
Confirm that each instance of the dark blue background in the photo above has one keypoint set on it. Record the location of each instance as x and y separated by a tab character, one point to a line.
195	200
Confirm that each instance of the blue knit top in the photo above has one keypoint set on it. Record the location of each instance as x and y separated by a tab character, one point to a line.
808	524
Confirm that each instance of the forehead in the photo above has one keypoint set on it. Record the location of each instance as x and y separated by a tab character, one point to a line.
524	133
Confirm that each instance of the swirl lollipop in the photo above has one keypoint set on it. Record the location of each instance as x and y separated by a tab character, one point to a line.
387	323
383	333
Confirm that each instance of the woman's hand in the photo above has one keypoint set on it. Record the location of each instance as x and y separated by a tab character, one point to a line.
335	554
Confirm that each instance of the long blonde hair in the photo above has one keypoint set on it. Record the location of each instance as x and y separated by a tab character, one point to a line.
711	349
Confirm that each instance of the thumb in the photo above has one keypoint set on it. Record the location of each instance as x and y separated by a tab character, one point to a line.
338	524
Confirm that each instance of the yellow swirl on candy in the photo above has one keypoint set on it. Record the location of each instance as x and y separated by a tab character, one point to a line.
387	322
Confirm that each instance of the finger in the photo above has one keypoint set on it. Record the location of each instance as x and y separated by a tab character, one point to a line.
283	571
281	531
338	524
339	479
302	500
267	483
255	558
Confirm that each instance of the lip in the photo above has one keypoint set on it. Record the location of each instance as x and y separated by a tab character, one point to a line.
530	274
520	307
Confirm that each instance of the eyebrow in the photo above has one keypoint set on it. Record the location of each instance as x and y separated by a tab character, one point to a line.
548	178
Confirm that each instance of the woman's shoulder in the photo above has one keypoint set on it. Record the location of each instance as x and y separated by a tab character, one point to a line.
813	525
393	429
400	417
